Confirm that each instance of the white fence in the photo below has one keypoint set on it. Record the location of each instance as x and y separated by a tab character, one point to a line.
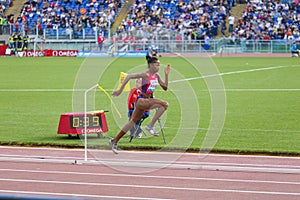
184	46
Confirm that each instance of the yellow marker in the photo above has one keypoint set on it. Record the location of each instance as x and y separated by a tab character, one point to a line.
122	78
114	105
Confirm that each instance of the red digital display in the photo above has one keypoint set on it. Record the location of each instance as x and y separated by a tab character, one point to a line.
74	123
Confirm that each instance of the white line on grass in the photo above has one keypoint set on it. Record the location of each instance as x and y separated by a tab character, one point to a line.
180	80
259	90
42	90
227	73
240	129
110	90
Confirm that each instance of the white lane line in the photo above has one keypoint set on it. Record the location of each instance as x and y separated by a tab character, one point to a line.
11	157
228	73
151	187
153	176
202	90
42	90
254	90
162	165
138	159
40	156
238	129
174	81
75	195
282	159
206	163
52	149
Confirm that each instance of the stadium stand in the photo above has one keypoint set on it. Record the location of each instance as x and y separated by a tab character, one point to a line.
269	20
4	20
190	18
122	14
4	5
193	19
161	19
67	16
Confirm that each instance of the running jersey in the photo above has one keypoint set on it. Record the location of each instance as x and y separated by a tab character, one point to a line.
149	85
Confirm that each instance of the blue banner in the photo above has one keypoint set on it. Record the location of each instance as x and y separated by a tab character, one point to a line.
126	54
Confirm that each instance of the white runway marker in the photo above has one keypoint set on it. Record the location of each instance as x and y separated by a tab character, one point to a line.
228	73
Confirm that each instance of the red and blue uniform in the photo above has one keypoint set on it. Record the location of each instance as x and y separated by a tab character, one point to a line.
134	92
132	98
149	85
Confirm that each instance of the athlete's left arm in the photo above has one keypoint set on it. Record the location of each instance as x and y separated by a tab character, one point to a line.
164	84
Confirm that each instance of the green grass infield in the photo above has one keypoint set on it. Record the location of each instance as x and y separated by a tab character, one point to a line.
258	99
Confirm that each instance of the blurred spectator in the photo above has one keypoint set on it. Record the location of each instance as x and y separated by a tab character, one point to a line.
1	23
12	41
19	43
231	23
25	42
223	27
294	50
100	41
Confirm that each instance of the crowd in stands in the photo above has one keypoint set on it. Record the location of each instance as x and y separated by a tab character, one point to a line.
269	20
192	19
164	19
4	21
4	4
195	19
67	16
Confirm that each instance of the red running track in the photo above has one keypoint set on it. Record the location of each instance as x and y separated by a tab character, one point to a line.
146	175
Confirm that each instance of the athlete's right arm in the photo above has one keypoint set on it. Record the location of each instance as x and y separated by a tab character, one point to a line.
128	77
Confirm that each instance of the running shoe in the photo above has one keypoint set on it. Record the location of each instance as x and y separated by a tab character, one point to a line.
151	130
114	146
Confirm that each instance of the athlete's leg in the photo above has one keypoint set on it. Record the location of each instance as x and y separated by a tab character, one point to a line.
162	107
157	115
136	116
141	106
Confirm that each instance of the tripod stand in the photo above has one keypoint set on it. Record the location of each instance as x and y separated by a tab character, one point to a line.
162	130
137	128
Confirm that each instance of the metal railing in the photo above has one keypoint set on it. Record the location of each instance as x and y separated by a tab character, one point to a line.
86	40
55	32
224	46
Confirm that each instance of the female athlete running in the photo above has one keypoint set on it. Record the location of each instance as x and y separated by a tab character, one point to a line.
145	100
